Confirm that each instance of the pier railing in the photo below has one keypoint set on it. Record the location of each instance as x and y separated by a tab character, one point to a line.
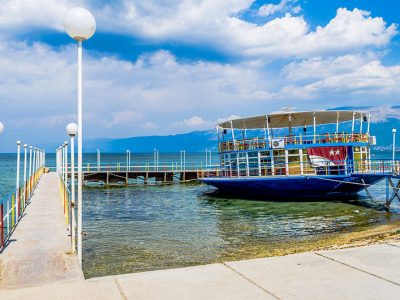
146	167
362	166
322	138
13	206
68	207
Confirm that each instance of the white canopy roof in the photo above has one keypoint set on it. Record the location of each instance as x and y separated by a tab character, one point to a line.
293	119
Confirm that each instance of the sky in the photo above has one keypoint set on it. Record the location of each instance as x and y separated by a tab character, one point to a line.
159	67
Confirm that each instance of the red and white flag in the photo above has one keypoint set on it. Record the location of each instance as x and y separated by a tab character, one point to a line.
327	156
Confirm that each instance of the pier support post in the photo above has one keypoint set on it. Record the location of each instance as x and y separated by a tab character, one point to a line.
387	189
390	198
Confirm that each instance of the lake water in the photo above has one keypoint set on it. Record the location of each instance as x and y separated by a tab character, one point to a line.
143	228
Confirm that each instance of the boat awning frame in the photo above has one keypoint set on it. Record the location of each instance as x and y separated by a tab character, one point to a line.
293	119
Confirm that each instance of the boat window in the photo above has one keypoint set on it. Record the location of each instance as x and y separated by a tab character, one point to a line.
279	162
252	154
307	166
279	153
360	158
253	164
242	164
294	162
265	153
265	166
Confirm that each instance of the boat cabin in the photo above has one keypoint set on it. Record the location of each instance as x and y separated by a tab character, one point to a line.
335	142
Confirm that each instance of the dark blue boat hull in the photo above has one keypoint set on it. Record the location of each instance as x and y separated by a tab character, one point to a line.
293	187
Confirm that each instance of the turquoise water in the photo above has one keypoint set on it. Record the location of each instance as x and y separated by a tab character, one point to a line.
149	228
143	228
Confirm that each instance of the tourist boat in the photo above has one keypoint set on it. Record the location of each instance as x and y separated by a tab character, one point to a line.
286	155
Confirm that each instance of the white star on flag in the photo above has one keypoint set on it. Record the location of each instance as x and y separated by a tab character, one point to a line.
337	152
331	153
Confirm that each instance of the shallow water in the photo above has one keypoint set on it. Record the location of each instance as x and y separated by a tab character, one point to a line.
145	228
156	227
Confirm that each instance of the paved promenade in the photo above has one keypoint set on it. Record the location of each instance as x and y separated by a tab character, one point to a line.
38	250
370	272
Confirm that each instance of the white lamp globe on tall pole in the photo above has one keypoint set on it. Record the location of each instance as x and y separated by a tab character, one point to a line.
1	128
80	25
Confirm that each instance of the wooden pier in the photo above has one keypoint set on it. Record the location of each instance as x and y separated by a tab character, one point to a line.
127	177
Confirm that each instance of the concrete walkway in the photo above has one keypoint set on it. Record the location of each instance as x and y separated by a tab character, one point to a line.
37	253
370	272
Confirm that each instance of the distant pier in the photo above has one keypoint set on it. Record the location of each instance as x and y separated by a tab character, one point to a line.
145	174
144	177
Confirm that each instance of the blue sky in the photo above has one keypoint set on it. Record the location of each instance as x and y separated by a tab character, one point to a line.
172	66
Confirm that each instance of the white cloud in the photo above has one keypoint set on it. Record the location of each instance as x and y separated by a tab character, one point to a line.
283	6
216	23
319	67
121	98
19	14
125	117
212	23
193	122
198	123
383	113
354	75
148	125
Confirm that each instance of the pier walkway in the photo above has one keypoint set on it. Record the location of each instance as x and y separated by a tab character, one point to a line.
38	249
369	272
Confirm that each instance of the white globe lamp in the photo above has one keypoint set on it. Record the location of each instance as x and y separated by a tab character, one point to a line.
72	129
79	24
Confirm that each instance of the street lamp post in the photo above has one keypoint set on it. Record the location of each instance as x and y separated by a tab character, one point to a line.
30	169
72	130
80	25
17	180
25	159
394	149
34	164
128	160
156	159
98	159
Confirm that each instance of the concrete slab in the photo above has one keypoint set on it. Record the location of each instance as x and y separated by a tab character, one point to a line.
105	290
397	243
214	281
38	251
381	260
309	276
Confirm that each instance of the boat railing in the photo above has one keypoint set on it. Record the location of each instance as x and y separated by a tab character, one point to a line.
364	166
322	138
